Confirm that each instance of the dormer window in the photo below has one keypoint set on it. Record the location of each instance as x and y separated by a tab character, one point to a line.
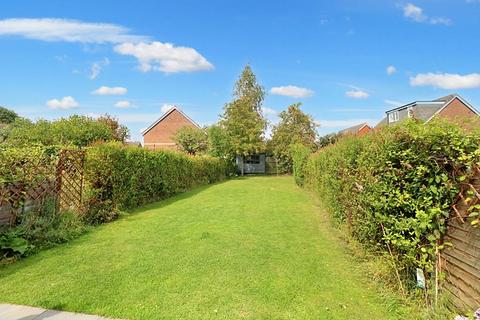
393	116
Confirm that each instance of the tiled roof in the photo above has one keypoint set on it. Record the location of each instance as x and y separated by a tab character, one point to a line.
354	129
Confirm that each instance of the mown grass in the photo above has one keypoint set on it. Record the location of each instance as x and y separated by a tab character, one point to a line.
253	248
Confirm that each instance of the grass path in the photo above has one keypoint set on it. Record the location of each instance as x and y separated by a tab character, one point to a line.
252	248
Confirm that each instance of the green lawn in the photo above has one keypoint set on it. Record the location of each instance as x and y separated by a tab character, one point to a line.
254	248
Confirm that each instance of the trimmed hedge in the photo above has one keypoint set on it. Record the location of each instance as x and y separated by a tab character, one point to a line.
395	188
117	178
120	177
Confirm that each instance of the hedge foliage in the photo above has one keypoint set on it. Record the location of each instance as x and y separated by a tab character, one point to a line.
78	131
116	178
395	187
120	177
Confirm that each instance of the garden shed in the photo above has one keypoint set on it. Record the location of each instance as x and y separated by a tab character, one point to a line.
251	164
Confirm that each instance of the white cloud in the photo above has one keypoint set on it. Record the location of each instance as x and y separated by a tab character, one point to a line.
110	91
292	91
269	111
343	123
357	94
64	103
447	80
47	29
415	13
124	104
394	103
440	20
391	70
164	57
166	107
97	67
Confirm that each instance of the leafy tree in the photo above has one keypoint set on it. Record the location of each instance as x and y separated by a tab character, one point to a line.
295	127
242	118
328	139
119	131
218	143
7	116
191	140
76	130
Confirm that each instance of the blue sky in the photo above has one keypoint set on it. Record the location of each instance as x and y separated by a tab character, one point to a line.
346	61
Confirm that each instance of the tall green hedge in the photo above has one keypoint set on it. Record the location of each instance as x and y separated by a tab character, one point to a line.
120	177
116	178
395	188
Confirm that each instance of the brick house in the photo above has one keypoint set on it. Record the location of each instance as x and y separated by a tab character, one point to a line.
451	107
358	130
160	134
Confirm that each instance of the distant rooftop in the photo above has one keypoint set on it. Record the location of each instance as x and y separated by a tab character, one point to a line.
354	129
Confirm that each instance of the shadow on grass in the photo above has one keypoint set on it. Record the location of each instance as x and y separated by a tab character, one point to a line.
91	230
161	203
8	269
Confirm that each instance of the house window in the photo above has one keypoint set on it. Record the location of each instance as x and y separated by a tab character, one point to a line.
254	159
393	116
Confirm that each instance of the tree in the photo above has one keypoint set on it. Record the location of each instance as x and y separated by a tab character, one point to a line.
242	118
295	127
218	143
75	130
328	139
119	131
191	140
7	116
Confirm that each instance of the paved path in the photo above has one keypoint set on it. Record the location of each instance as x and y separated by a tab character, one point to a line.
17	312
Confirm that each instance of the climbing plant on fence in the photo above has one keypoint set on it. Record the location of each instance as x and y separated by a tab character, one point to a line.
394	189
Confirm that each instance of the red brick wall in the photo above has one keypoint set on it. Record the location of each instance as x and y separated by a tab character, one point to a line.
161	136
456	110
364	131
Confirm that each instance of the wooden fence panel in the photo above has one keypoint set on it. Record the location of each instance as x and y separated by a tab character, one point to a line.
69	182
461	261
49	179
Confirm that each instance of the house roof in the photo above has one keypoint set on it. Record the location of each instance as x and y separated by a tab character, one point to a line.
382	123
426	110
165	115
354	129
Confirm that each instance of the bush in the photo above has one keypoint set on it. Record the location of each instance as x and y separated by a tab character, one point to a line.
7	116
37	229
116	178
79	131
299	154
395	188
120	177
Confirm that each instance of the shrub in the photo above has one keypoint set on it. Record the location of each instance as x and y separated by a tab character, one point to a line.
394	189
39	228
116	178
120	177
299	154
76	130
7	115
